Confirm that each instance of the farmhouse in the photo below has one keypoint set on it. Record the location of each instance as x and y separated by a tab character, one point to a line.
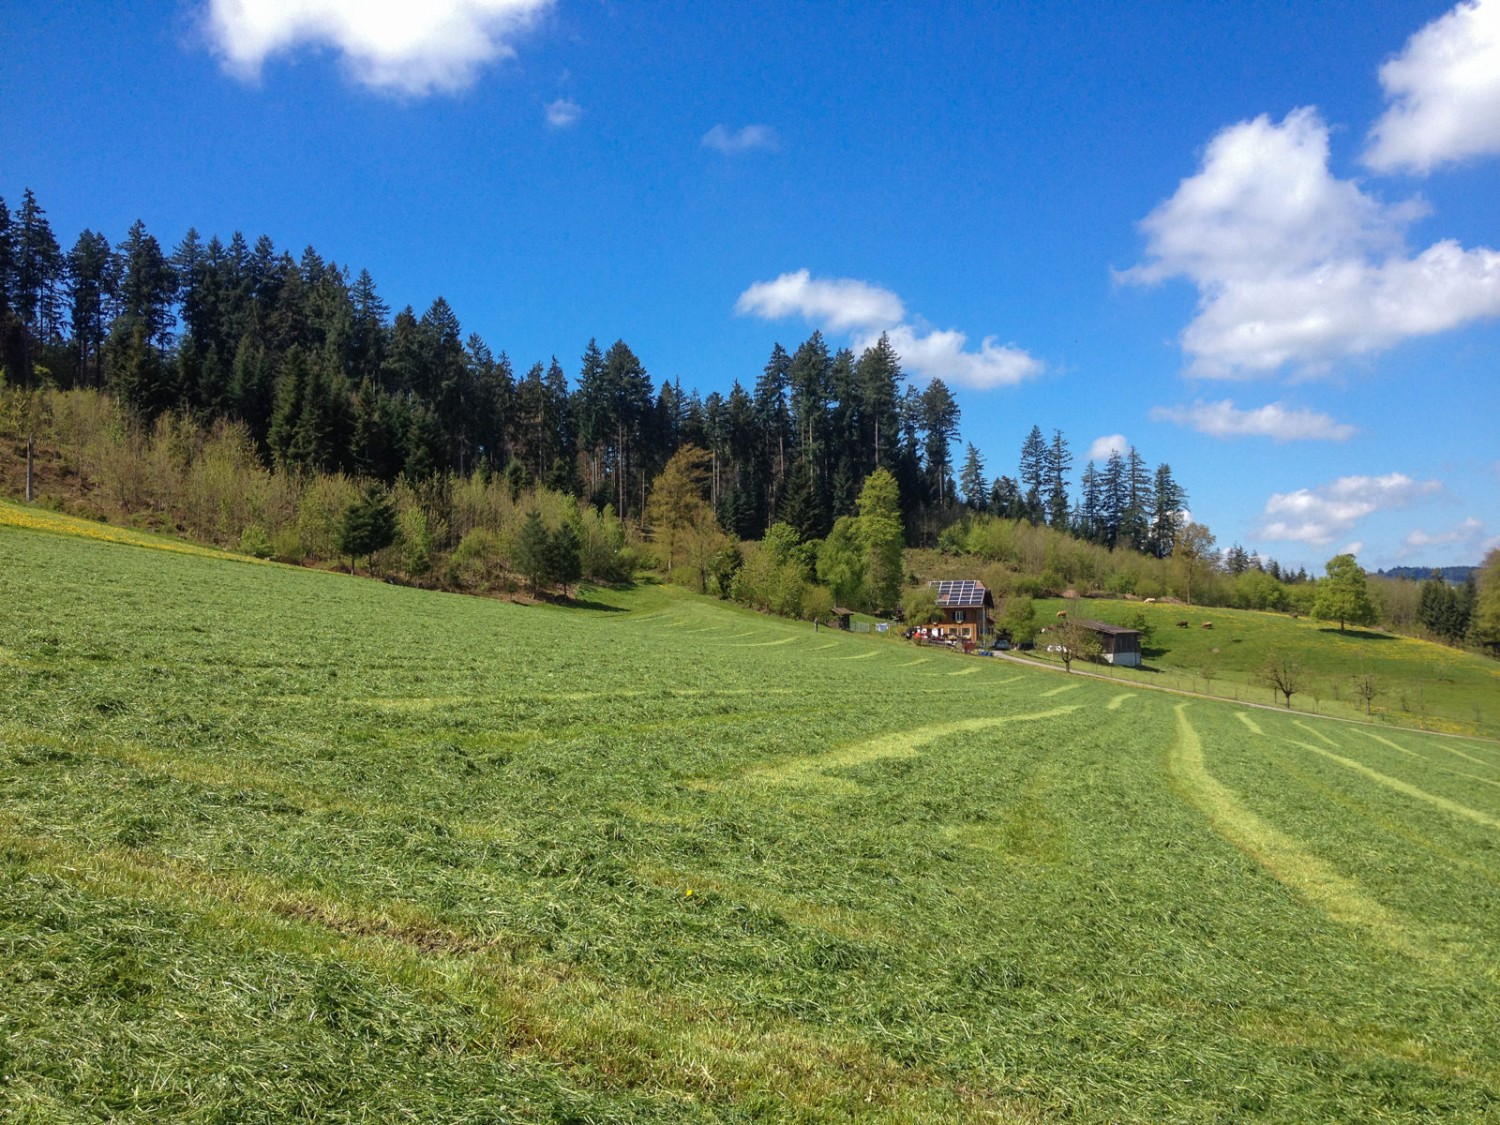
965	606
1117	644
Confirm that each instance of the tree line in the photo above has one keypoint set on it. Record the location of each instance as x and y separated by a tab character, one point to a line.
324	377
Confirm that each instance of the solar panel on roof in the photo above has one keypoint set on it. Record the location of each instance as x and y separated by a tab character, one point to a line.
959	593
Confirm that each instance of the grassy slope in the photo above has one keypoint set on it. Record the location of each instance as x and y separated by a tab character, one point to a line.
277	842
1424	685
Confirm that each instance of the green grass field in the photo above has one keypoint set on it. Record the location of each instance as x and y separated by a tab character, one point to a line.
280	844
1420	684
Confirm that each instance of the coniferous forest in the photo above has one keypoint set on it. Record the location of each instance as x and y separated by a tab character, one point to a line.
323	376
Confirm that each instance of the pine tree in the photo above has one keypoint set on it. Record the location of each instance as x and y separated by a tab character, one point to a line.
1033	473
939	418
530	554
971	480
369	526
1058	463
1169	500
564	557
91	285
878	375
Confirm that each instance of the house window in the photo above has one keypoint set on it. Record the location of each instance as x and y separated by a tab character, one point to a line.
958	616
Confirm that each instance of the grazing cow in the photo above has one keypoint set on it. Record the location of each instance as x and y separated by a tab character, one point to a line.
1208	624
1062	613
1182	624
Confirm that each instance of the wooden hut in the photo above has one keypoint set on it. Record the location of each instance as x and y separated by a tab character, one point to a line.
1117	644
965	606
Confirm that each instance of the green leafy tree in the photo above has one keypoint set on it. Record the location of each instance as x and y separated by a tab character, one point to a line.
1343	595
919	606
1073	641
1485	621
1193	549
880	531
843	563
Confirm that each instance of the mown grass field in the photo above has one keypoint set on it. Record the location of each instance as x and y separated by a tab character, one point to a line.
1421	684
280	844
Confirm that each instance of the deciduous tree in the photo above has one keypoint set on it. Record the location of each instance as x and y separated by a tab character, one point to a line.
1343	595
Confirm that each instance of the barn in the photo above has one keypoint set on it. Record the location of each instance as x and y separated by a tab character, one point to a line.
1117	644
965	606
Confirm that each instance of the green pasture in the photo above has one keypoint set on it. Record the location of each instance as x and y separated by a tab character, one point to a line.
278	844
1420	684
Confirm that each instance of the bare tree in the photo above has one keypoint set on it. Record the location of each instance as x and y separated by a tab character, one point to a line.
1283	674
1367	686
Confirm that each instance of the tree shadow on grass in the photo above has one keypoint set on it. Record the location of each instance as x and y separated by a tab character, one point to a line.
1357	634
585	603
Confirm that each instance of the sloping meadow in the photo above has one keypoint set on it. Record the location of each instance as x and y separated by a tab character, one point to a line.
280	843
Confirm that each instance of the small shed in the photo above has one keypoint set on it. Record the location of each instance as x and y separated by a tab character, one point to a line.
844	616
1117	644
965	606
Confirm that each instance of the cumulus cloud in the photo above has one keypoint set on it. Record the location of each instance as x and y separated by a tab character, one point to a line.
562	113
845	304
749	138
1275	421
1109	443
838	303
941	355
394	45
1296	267
1317	516
1469	534
1444	93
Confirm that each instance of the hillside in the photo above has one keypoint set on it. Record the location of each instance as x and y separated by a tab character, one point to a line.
279	843
1416	683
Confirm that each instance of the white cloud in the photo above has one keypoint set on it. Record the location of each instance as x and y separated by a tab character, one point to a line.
396	45
845	304
749	138
1296	267
1469	534
1444	93
562	113
1110	443
941	355
839	303
1275	421
1316	516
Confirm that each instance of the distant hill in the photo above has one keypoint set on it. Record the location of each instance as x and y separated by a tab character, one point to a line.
1456	575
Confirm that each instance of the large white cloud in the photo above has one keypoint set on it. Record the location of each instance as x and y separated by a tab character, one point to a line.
1444	90
844	304
838	303
405	46
1275	421
1317	516
1296	267
941	354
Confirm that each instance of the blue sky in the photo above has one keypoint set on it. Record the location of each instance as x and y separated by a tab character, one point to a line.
1257	241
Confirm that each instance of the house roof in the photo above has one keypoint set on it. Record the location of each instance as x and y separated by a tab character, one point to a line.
1107	629
961	594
